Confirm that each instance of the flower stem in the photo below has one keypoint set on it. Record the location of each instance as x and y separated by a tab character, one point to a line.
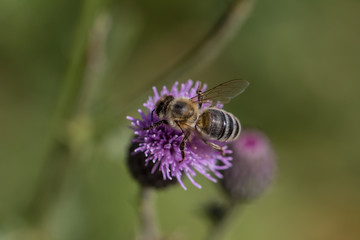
213	42
73	101
148	221
73	80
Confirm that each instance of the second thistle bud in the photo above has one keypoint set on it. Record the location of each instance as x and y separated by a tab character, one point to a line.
253	167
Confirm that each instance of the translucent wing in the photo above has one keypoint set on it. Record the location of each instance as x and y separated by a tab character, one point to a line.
223	92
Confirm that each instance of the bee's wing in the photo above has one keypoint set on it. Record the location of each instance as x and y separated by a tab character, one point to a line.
223	92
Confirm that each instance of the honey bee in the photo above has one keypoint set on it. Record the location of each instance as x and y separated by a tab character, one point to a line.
212	123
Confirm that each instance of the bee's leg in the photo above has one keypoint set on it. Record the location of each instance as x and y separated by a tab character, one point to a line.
154	125
152	114
184	140
216	147
200	96
182	145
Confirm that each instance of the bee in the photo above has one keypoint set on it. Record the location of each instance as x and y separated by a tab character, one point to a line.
211	123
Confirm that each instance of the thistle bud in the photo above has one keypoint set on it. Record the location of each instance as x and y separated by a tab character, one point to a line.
253	167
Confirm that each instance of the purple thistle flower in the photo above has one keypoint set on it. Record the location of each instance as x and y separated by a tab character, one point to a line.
161	145
253	167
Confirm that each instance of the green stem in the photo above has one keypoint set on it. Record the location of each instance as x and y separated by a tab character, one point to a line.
148	221
57	153
74	76
213	43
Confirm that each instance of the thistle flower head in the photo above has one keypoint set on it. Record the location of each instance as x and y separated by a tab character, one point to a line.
253	167
161	145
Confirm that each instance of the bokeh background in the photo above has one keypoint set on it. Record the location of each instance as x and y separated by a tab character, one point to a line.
302	58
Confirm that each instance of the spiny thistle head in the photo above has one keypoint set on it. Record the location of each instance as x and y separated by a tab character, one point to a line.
161	145
253	167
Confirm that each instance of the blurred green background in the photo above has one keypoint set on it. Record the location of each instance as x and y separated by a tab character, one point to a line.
301	57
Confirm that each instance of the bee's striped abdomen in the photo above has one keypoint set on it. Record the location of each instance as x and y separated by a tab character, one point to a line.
219	125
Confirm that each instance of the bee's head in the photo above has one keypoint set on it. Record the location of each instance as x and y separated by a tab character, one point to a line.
162	105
